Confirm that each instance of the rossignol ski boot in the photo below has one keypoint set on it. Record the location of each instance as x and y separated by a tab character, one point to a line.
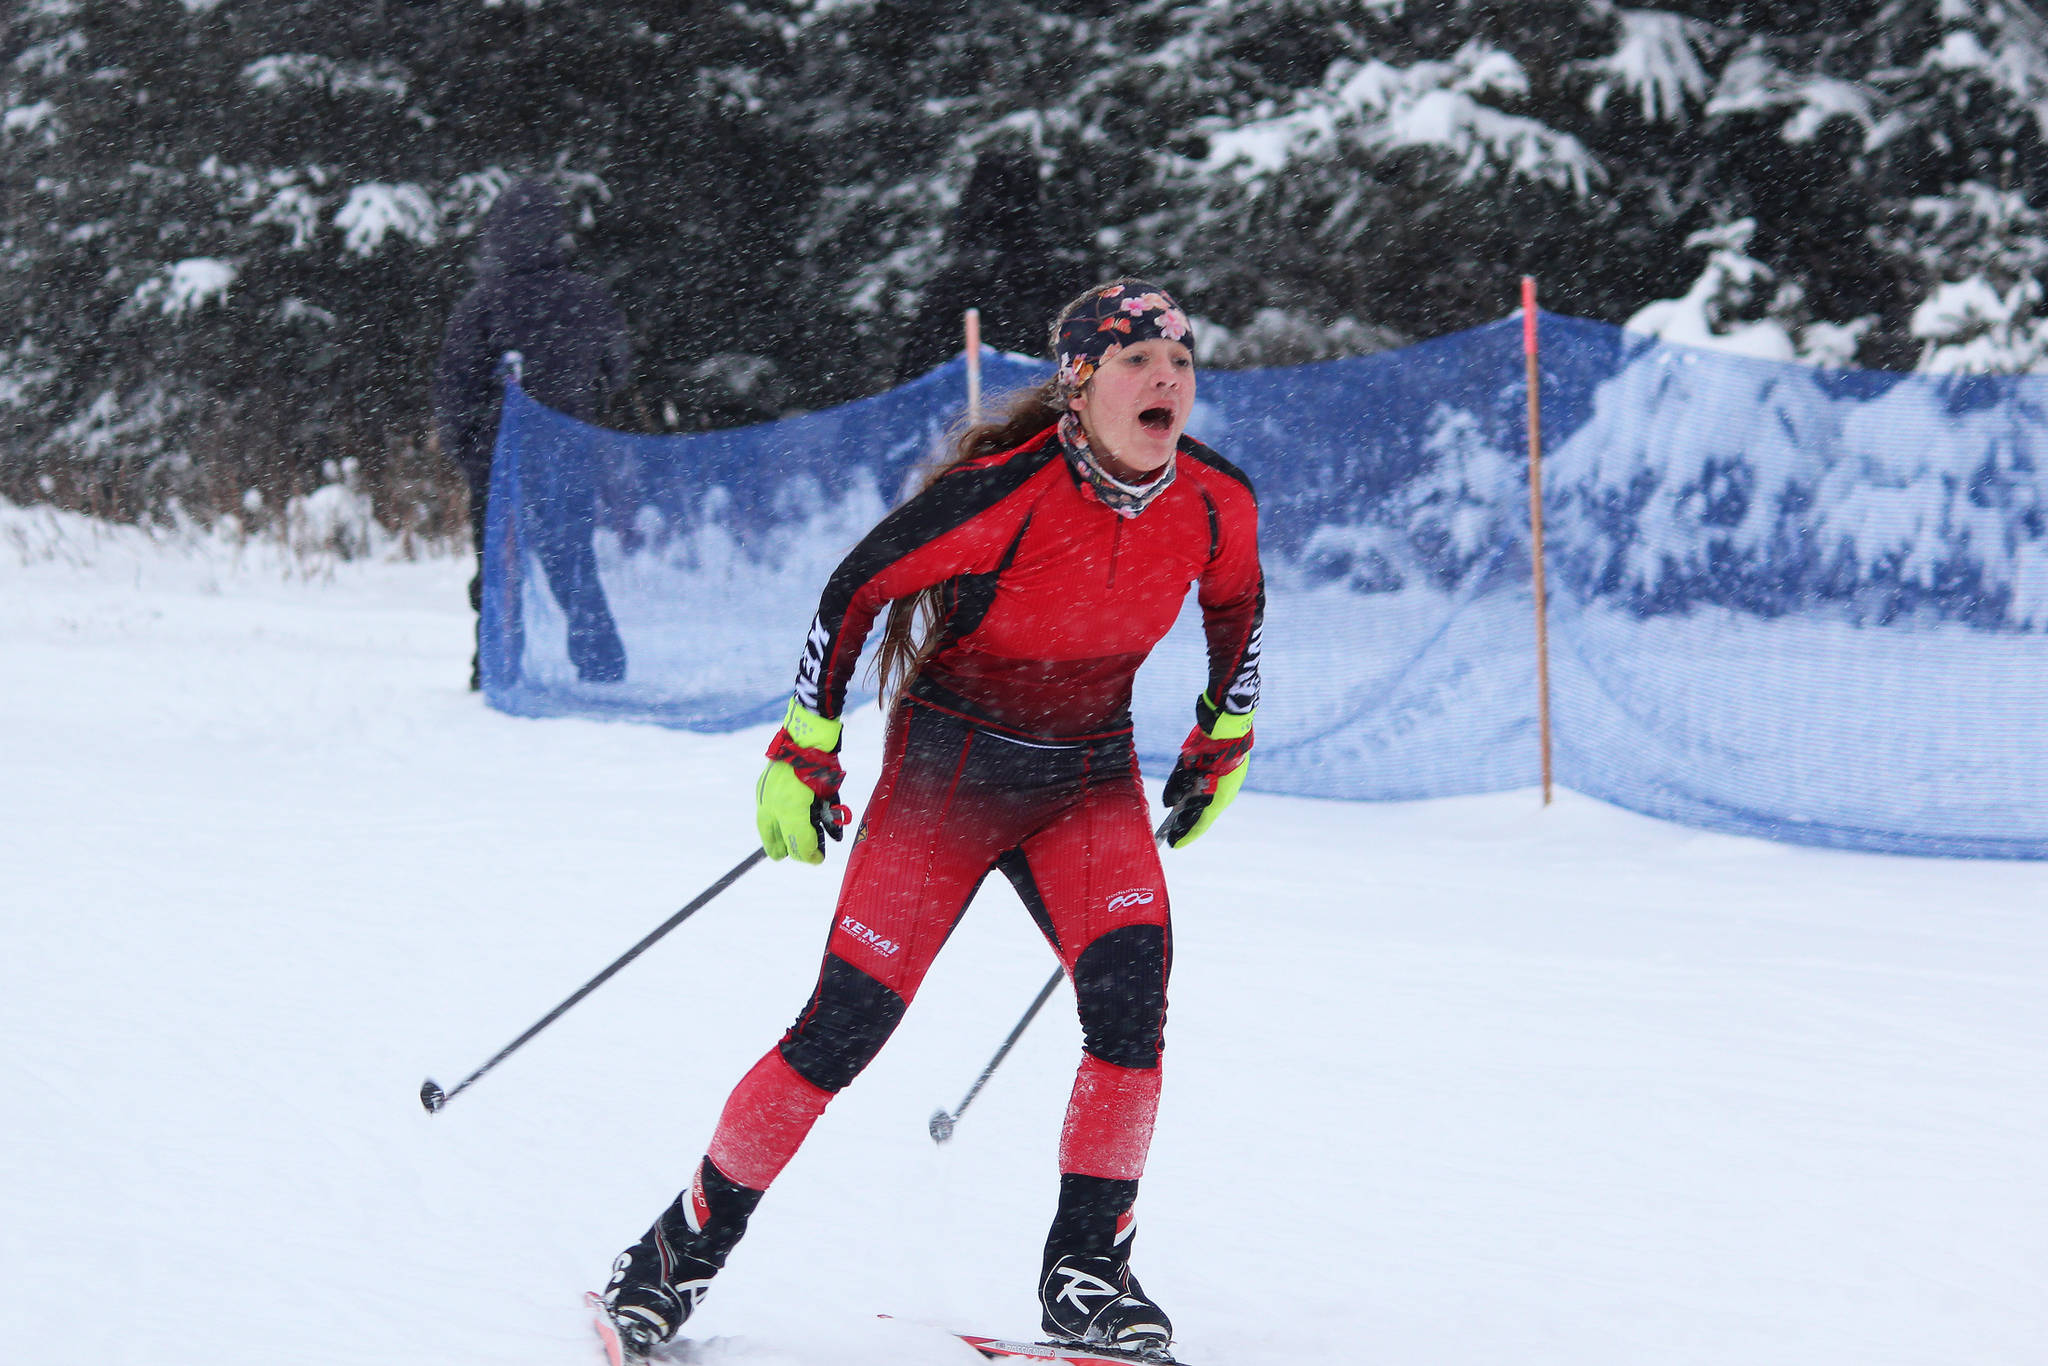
657	1282
1086	1292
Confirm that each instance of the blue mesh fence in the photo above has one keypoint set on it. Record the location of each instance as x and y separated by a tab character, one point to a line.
1809	605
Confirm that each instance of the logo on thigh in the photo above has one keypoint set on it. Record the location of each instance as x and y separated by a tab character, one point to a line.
868	938
1135	896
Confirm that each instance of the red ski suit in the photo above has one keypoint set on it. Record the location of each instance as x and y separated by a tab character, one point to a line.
1012	751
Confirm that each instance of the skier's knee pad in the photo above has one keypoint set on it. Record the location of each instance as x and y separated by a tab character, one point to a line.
845	1023
1120	983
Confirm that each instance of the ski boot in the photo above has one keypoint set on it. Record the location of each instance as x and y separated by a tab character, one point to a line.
1086	1292
657	1282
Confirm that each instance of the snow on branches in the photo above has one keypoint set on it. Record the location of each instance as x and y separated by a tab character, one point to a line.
1442	107
1655	59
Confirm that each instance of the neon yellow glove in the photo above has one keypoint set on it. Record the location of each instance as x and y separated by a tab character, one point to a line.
796	803
1213	761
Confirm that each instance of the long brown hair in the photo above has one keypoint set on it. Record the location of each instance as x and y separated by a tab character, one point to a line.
910	633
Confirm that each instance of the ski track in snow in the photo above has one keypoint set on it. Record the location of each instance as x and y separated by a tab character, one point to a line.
1463	1082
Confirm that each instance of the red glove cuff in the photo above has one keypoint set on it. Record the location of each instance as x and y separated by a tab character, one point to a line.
1208	759
817	769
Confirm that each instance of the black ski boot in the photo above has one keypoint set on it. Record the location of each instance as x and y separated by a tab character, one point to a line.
1086	1291
657	1282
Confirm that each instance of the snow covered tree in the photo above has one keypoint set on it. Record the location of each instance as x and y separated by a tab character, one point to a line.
232	225
1838	125
234	229
1399	169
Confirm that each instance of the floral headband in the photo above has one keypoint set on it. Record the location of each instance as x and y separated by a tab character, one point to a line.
1105	320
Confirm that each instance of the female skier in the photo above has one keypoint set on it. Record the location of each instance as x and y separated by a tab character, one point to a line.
1046	558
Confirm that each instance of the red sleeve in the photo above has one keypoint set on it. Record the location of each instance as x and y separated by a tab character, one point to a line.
962	524
1232	589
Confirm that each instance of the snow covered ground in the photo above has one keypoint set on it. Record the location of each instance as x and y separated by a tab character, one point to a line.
1464	1082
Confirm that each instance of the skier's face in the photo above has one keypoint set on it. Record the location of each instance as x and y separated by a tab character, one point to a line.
1136	404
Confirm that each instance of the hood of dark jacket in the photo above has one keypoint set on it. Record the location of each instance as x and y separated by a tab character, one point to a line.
526	229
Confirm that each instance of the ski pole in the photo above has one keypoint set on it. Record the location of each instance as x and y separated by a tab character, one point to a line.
433	1097
942	1122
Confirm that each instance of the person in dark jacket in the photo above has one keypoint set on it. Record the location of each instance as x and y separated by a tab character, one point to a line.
999	258
573	351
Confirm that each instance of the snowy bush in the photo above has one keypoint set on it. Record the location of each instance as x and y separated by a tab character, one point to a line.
1365	557
336	520
1466	505
1730	480
1462	508
1939	490
1739	304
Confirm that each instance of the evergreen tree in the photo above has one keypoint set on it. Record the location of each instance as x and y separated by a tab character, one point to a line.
232	231
254	218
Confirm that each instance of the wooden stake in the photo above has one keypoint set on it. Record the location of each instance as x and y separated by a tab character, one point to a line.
973	322
1536	526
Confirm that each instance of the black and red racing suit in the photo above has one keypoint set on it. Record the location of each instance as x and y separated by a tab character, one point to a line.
1012	751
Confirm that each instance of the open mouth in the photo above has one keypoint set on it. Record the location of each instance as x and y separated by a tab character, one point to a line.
1158	421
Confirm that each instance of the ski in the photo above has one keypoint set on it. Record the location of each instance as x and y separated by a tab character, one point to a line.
607	1335
677	1352
683	1352
1072	1353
